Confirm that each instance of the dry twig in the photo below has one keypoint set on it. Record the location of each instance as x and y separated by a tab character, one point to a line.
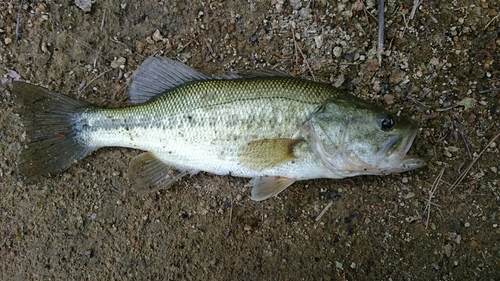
95	78
489	90
324	211
380	41
466	171
416	4
302	54
18	22
431	195
494	18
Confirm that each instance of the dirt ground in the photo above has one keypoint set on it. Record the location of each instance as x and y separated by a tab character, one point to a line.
441	69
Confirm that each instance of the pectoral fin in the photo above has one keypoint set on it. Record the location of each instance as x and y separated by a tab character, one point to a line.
147	173
267	153
265	187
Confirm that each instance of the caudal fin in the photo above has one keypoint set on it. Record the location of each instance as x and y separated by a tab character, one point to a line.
49	120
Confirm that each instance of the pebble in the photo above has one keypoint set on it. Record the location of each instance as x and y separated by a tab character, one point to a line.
447	250
118	63
85	5
296	4
337	51
157	36
473	243
319	41
397	76
389	99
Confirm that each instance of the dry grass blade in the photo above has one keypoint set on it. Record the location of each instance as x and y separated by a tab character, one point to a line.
431	195
489	90
416	4
466	171
302	54
380	41
324	211
493	19
18	22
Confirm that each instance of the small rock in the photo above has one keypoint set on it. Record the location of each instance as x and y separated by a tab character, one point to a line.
139	46
157	36
150	41
337	51
397	76
447	154
296	4
372	65
447	250
473	243
319	41
118	63
389	99
7	40
434	61
84	5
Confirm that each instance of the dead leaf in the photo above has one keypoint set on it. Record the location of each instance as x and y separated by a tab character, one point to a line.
467	103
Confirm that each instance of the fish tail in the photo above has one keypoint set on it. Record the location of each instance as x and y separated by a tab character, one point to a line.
49	120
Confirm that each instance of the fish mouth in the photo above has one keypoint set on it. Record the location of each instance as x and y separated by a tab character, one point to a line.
395	153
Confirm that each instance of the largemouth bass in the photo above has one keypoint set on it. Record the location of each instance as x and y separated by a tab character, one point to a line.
267	126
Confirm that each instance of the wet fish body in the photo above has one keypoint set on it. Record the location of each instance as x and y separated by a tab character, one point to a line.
270	127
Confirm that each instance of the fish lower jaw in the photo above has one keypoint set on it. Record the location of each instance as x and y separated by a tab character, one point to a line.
342	168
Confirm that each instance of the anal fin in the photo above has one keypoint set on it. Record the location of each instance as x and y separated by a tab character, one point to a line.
265	187
147	173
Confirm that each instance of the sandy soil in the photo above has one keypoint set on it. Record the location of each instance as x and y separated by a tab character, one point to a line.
87	223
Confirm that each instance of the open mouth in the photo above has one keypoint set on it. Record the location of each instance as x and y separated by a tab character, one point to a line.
396	152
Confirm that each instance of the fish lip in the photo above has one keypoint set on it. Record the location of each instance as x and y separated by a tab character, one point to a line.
407	161
399	160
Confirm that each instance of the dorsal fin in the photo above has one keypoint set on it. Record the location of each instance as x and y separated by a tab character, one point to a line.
157	75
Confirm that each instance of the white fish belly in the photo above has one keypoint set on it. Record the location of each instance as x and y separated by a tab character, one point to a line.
191	150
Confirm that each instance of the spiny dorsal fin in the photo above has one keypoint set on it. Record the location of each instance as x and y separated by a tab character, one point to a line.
146	173
265	187
267	153
157	75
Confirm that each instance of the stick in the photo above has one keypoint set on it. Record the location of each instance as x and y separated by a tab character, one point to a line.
302	54
489	90
464	173
18	22
488	24
416	4
324	210
431	195
380	41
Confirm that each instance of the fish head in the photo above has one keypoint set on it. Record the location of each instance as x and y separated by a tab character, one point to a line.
353	137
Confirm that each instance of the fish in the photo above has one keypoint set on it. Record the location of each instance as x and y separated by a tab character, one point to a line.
265	125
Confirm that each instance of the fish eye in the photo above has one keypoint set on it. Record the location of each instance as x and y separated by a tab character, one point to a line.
387	122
